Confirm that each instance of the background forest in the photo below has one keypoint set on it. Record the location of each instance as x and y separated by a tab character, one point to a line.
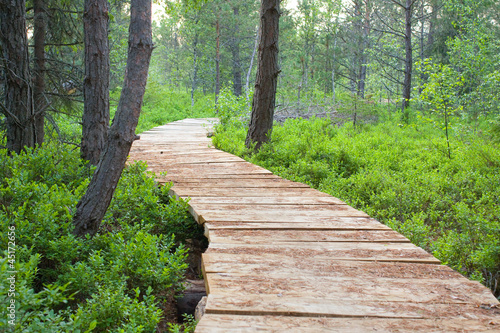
389	105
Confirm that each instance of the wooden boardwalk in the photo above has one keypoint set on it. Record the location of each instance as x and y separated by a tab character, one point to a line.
287	258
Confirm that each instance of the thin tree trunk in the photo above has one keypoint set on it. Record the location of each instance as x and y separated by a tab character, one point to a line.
364	55
95	120
408	61
195	67
256	45
333	69
327	51
235	50
40	102
217	60
263	103
18	108
93	205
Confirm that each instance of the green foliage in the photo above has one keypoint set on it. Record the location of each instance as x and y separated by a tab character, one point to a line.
163	104
234	114
188	326
111	282
400	175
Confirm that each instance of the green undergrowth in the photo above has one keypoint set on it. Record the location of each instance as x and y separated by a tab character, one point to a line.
399	174
163	104
116	281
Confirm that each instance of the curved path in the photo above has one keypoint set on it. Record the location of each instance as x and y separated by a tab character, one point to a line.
287	258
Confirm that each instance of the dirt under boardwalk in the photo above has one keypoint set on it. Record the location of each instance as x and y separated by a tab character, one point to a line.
287	258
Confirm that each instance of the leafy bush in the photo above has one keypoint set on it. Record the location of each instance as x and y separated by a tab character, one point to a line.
163	104
111	282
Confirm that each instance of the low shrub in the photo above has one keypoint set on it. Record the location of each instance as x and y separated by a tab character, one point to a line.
111	282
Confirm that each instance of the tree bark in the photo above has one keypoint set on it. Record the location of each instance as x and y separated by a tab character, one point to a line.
195	66
95	121
40	102
93	205
18	108
217	60
364	55
264	97
235	50
256	45
408	60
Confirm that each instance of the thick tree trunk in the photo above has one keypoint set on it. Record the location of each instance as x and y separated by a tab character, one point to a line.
18	108
95	121
93	205
263	103
408	60
235	50
40	102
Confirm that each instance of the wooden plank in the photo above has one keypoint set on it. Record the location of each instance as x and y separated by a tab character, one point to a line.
312	307
397	252
238	183
212	168
245	192
197	159
179	176
273	265
269	200
334	223
274	215
220	323
359	289
263	236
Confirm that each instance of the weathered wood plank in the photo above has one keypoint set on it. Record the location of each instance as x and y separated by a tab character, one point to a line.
246	192
392	252
262	236
334	223
216	323
274	265
238	183
312	307
274	215
358	289
269	200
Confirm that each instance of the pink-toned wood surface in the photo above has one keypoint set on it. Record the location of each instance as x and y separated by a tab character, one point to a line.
287	258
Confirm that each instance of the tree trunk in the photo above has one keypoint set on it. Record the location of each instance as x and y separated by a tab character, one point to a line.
18	108
93	205
235	50
217	60
333	69
95	120
263	103
195	66
364	55
40	102
256	45
408	61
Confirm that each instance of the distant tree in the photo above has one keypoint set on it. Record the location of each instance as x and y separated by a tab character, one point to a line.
266	81
93	205
235	51
39	98
18	107
95	120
